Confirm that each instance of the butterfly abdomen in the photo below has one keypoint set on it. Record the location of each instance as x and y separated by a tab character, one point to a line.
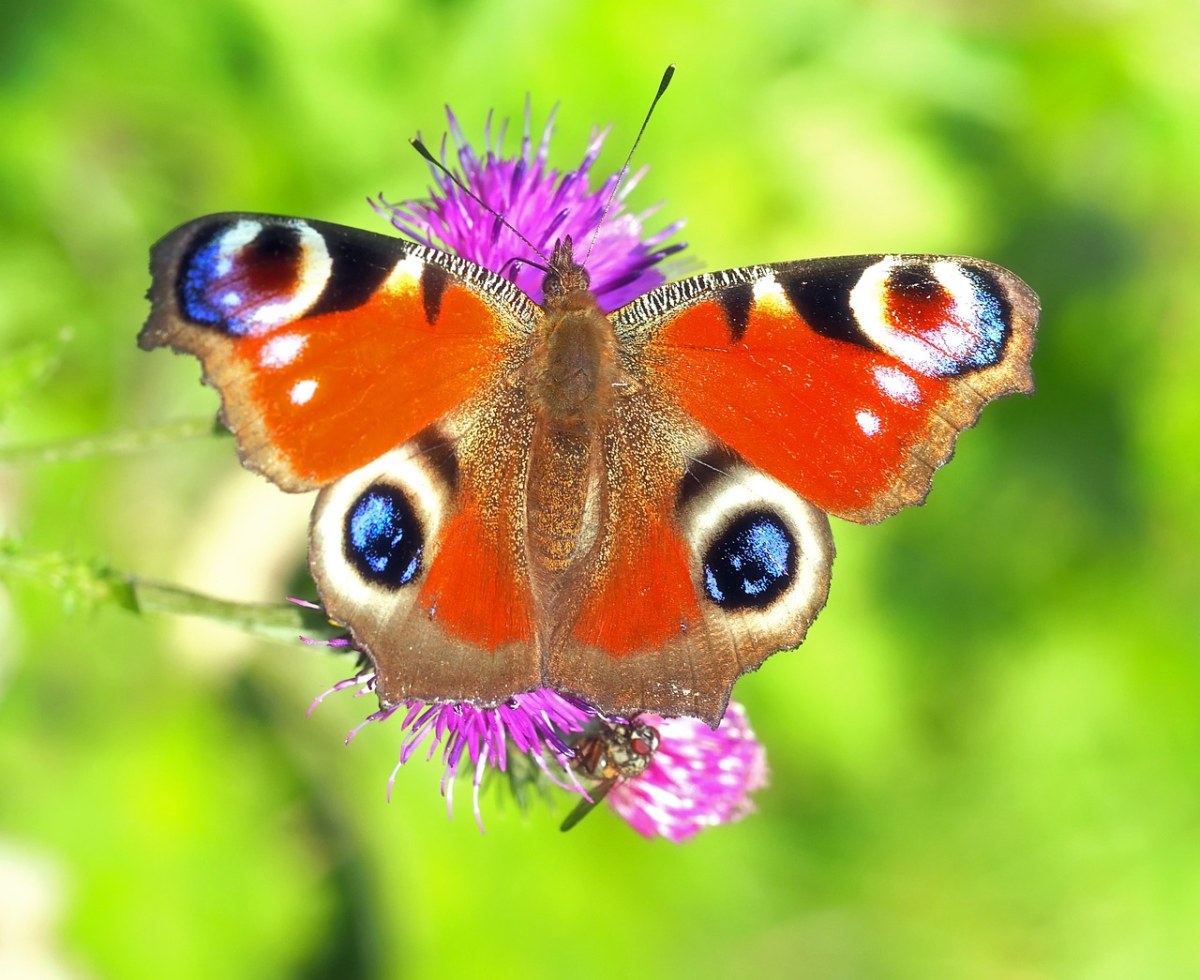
557	498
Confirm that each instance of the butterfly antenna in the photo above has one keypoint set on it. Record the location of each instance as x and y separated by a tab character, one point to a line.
422	149
662	88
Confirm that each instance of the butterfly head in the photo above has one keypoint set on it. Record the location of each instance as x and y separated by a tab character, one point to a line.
564	275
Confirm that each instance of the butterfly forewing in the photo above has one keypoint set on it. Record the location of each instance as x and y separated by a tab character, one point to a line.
847	379
329	346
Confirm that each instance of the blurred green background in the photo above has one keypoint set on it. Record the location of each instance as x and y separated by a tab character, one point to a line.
986	758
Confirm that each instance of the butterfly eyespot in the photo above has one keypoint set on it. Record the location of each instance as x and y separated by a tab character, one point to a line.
383	539
751	562
248	277
939	318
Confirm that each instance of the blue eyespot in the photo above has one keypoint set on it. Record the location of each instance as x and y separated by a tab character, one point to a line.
236	271
752	563
383	537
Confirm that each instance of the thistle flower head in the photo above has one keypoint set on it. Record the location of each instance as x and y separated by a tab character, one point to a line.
545	205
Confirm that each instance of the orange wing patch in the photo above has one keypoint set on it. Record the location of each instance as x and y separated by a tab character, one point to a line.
848	379
330	406
835	421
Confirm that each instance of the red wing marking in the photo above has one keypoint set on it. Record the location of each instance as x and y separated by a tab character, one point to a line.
837	422
474	590
644	595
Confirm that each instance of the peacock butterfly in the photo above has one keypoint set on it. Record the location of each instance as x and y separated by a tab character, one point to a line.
628	507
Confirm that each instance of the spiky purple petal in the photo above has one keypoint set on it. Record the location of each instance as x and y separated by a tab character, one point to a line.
534	723
545	205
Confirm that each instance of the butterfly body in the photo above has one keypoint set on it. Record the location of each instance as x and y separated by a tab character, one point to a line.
572	378
626	506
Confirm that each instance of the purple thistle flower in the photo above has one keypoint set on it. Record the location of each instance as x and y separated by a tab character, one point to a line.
698	778
545	205
533	723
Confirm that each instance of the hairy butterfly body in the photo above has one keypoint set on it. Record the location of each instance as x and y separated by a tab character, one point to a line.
630	507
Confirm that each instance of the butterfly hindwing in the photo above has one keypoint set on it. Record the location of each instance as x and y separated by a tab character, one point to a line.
703	587
329	346
847	379
416	553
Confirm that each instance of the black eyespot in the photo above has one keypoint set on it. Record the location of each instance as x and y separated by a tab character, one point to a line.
752	562
383	537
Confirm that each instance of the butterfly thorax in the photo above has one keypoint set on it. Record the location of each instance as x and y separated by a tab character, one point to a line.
573	375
